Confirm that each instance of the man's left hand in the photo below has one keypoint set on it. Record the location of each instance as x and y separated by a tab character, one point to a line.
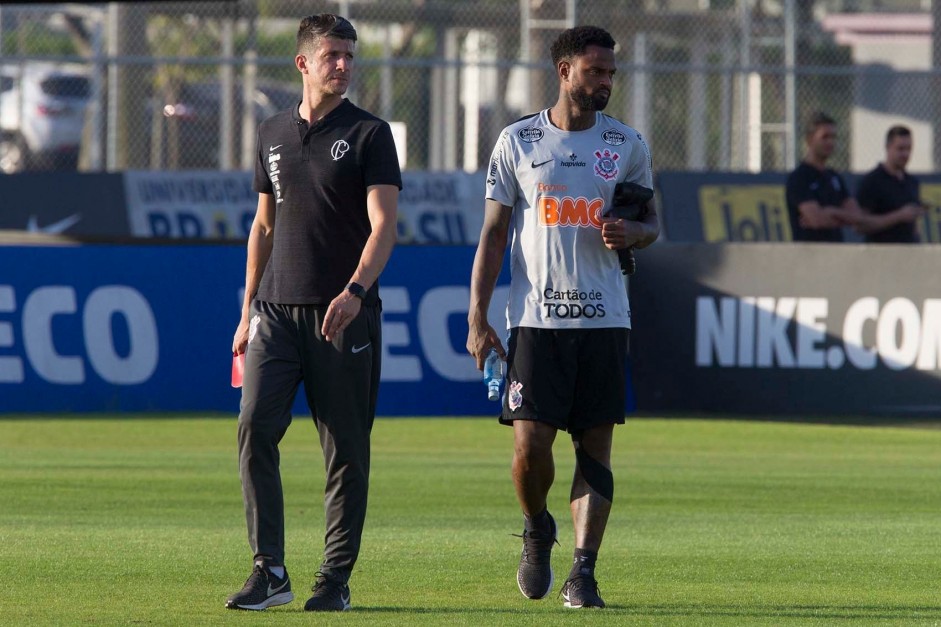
341	312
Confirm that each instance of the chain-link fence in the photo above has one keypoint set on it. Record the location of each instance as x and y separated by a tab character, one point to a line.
713	84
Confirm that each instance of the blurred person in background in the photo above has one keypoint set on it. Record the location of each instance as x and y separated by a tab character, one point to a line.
819	204
889	196
328	179
551	181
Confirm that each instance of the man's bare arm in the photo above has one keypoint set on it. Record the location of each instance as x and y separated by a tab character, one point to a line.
382	202
260	241
481	337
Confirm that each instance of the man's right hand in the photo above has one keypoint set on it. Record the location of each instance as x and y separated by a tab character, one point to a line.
480	339
241	337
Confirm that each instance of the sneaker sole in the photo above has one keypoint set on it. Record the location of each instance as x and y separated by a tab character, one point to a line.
583	606
544	594
272	601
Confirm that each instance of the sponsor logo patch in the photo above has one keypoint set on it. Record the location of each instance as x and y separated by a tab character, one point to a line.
530	135
569	211
613	137
572	162
274	174
573	304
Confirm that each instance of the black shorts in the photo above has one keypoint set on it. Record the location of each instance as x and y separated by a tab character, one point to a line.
572	379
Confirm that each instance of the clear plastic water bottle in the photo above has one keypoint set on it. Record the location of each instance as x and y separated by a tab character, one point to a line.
493	374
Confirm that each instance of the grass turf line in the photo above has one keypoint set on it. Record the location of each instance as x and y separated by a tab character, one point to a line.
140	521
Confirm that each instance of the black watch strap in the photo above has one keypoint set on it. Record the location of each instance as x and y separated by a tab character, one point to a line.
356	290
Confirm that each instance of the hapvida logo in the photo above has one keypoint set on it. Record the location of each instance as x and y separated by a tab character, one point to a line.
572	162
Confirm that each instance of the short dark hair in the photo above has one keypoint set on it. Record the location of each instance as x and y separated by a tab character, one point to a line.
897	131
815	121
314	27
572	42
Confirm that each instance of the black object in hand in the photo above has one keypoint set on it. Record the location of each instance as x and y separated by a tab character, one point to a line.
629	203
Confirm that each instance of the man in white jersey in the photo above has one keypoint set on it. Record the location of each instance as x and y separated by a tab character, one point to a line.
551	182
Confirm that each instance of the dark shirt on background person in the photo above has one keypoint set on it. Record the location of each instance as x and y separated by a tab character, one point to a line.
880	192
889	196
819	204
825	186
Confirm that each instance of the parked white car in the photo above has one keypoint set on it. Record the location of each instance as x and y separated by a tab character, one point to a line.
42	113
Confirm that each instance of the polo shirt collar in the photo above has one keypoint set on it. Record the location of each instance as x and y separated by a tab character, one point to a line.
338	110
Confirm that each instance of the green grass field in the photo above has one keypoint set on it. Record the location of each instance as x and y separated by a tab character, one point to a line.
139	521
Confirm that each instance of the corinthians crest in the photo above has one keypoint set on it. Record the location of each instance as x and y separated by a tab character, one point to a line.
607	165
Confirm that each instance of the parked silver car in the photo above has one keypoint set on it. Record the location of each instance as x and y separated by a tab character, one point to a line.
42	113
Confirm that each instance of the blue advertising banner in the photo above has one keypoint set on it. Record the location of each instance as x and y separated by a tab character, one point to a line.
149	328
113	328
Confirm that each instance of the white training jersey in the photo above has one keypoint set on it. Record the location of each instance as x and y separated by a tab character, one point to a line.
559	184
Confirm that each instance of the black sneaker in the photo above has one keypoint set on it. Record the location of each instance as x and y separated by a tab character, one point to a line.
581	591
330	595
263	589
534	575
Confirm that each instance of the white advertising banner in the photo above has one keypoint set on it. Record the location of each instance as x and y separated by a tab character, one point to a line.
434	207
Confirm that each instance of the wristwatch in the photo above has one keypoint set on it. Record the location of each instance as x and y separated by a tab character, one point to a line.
356	290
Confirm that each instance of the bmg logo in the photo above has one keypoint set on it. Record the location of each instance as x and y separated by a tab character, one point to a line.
744	213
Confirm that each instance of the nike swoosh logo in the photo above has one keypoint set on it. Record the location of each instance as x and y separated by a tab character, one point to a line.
536	165
358	349
56	227
273	148
272	591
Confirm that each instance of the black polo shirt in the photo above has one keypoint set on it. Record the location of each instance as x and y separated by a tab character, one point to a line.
880	192
826	187
318	175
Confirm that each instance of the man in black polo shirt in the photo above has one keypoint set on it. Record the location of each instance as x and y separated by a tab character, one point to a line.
818	201
327	178
889	195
